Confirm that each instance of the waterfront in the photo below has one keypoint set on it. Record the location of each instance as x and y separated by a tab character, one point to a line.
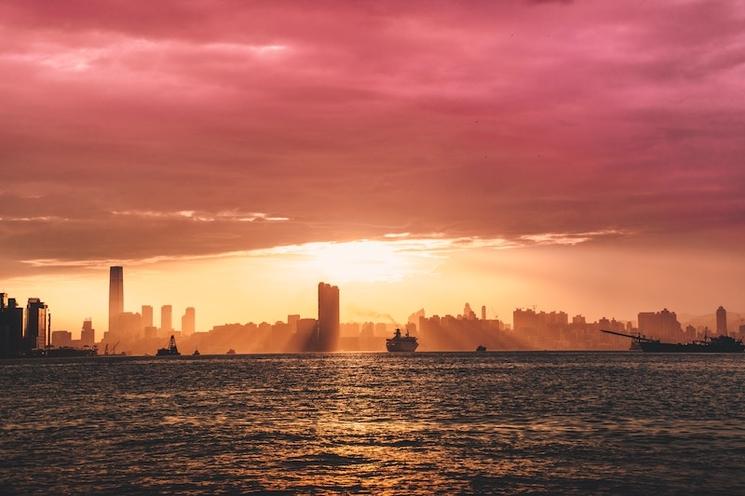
513	423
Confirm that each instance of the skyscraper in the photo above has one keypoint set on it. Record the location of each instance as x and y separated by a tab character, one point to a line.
36	324
328	317
483	312
11	326
188	321
147	316
116	295
663	325
87	333
166	319
722	321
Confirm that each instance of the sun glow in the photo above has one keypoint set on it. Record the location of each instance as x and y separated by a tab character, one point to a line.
354	261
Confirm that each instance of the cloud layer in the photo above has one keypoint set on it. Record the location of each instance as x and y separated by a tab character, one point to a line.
133	130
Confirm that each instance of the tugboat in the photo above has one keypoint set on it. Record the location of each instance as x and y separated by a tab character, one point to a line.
172	350
231	351
720	344
480	348
400	343
196	353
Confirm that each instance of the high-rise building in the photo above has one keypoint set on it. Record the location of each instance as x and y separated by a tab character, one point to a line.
483	312
188	321
87	333
147	316
292	321
166	319
663	325
328	317
11	326
468	313
116	295
36	323
722	321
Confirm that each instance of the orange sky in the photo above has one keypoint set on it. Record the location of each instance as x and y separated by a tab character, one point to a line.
572	155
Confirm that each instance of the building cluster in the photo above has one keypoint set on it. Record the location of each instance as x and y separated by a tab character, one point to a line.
463	332
26	330
132	330
136	333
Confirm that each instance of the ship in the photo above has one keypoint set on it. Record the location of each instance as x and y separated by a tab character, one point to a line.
172	350
399	343
719	344
480	348
231	351
62	352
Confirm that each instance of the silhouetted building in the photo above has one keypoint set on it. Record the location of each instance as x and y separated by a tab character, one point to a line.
188	321
116	295
663	325
11	326
166	319
147	316
87	333
129	326
722	321
36	324
483	312
292	321
468	313
328	317
62	339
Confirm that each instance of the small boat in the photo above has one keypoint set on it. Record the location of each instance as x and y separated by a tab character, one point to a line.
172	350
196	353
231	351
480	348
399	343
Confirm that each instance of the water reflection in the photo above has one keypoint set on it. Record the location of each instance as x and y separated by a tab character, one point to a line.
487	423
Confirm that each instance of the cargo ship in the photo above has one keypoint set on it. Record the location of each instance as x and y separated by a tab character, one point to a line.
172	350
399	343
719	344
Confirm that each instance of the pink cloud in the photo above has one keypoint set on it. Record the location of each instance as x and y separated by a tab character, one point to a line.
486	119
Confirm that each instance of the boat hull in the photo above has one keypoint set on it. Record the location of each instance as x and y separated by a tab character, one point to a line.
658	347
401	346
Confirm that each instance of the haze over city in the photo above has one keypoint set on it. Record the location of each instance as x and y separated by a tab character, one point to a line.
574	155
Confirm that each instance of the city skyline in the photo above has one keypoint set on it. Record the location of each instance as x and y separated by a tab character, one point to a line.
529	329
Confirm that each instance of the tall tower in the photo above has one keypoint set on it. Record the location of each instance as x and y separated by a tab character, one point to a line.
483	312
722	321
116	295
166	319
328	317
11	326
36	323
188	321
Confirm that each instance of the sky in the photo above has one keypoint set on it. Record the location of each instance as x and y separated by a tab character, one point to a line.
584	156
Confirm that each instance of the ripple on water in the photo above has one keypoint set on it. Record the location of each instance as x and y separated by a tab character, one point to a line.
498	423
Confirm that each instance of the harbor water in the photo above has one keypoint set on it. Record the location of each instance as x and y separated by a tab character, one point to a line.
376	423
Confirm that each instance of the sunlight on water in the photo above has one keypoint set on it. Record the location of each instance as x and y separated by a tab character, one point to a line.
449	423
